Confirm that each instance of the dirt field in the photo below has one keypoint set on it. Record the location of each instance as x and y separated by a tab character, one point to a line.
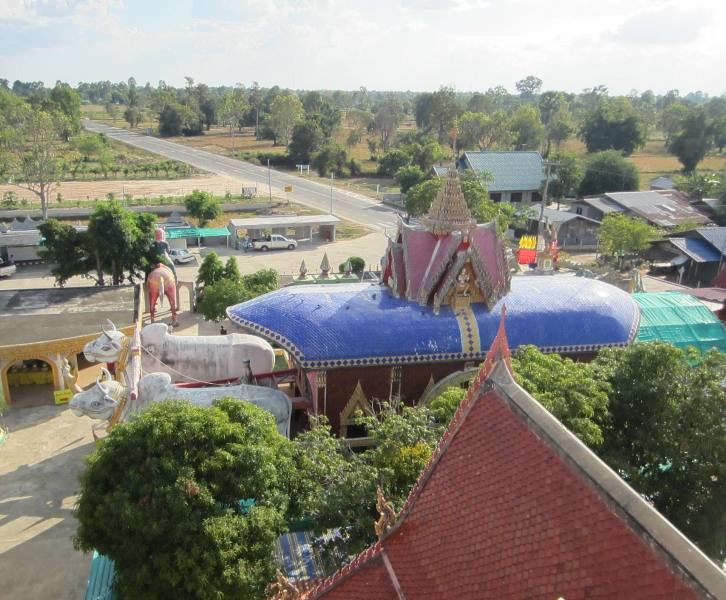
83	190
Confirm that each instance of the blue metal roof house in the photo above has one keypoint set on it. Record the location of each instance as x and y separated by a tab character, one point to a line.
516	176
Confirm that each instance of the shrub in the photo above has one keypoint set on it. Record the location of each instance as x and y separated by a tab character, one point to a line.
357	264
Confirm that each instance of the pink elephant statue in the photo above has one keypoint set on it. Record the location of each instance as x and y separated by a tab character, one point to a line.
162	283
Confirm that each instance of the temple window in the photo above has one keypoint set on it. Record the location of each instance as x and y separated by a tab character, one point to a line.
357	402
323	390
395	394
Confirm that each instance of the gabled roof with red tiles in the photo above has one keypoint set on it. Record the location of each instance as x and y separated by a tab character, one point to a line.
512	505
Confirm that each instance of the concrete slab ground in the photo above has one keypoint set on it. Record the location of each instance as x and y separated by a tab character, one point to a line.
39	466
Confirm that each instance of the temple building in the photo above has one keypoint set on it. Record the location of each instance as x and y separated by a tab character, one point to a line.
434	315
513	505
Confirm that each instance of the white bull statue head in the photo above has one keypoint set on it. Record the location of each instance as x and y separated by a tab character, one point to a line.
99	402
107	347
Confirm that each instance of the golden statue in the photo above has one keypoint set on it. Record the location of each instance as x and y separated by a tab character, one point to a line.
387	515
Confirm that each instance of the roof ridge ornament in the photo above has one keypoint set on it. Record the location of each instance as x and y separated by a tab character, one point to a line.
449	211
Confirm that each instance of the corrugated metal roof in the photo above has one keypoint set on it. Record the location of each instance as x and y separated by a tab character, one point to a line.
195	232
561	216
661	209
284	221
696	249
440	171
511	171
679	319
662	183
716	236
100	579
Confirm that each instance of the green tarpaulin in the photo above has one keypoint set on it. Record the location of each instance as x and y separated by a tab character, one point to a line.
196	232
679	319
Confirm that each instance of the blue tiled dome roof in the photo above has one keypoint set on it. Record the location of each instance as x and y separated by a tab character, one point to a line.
326	326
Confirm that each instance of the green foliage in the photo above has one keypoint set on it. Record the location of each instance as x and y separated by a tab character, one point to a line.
571	391
210	271
285	112
337	488
622	236
526	127
203	206
667	434
392	161
700	185
225	292
160	497
484	131
407	177
565	176
357	265
693	140
178	119
65	249
613	126
445	404
132	116
331	158
231	270
420	197
307	139
608	172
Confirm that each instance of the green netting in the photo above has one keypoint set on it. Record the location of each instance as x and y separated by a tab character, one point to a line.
196	232
679	319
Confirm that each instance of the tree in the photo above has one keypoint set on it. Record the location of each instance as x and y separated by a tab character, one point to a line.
332	157
442	114
173	479
667	434
307	139
132	116
570	390
621	236
693	140
700	185
392	161
210	271
526	127
285	111
483	131
528	87
409	176
30	155
177	119
565	176
386	121
231	270
203	206
64	248
227	292
233	108
613	125
112	111
65	100
608	172
671	118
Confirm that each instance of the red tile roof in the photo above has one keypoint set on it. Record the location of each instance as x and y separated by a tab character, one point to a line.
512	505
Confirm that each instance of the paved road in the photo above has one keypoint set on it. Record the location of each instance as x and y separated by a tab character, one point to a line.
347	205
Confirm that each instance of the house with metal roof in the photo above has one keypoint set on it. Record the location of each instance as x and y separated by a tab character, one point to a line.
663	209
662	182
513	505
574	232
700	252
515	176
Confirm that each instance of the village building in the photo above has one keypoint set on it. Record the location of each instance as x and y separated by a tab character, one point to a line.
662	182
20	241
664	209
513	176
513	505
433	316
694	256
298	227
43	332
574	232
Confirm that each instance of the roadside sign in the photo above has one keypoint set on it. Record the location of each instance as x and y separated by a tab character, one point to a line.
249	192
62	396
288	188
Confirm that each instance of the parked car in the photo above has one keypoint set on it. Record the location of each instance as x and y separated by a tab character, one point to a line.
181	256
7	269
274	242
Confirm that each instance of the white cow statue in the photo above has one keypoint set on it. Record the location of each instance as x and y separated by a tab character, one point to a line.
102	400
185	357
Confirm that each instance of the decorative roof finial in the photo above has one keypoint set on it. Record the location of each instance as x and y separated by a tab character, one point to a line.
303	270
325	266
387	514
449	211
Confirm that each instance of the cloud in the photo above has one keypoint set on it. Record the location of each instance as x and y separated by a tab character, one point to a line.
667	25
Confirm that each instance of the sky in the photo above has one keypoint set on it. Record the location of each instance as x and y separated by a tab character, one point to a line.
414	45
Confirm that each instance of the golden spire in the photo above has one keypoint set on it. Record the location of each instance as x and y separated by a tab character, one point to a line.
449	211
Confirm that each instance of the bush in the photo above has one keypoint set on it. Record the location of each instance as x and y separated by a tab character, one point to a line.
608	172
161	498
392	161
409	176
354	167
357	264
203	206
332	157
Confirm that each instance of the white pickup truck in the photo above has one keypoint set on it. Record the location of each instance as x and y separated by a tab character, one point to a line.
273	242
7	268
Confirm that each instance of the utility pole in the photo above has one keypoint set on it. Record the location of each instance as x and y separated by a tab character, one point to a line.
269	182
332	176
